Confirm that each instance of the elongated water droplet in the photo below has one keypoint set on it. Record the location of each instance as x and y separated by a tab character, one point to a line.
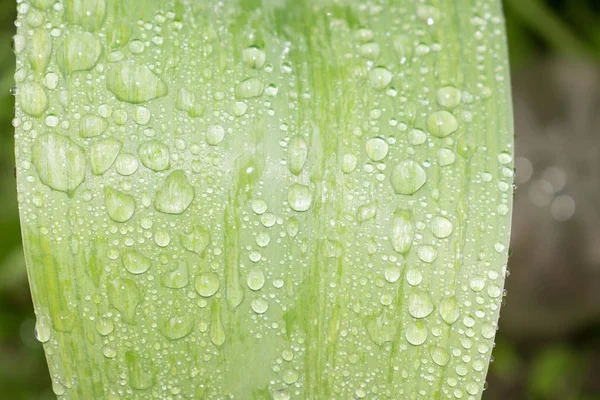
60	163
427	253
256	279
449	310
403	231
32	99
40	48
217	332
349	162
176	194
120	206
43	329
299	197
297	153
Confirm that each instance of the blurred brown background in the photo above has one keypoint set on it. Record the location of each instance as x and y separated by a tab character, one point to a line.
548	346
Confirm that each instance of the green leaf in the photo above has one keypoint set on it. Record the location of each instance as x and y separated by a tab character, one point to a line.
266	199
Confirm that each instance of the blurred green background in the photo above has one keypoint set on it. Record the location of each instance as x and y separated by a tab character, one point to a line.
548	346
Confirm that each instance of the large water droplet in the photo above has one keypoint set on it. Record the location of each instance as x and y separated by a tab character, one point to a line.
32	99
124	295
407	177
126	164
256	279
43	329
299	197
176	194
60	163
420	304
196	240
377	149
207	284
135	262
448	96
154	155
380	77
416	333
177	327
254	57
88	14
260	306
442	123
414	276
79	52
440	356
119	206
449	310
103	154
249	88
427	253
134	83
215	135
441	227
177	278
40	47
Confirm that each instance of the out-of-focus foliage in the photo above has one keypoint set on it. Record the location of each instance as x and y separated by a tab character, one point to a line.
564	365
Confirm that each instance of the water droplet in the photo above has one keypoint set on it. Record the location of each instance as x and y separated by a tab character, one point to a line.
141	115
290	376
42	5
416	333
124	295
140	371
207	284
43	329
32	99
249	88
369	51
103	154
79	52
441	227
377	149
126	164
477	283
488	330
403	231
240	108
88	14
414	276
135	262
417	137
440	356
119	206
254	57
154	155
392	274
504	158
349	162
419	304
263	238
256	279
366	212
292	227
407	177
448	97
449	310
260	306
281	394
176	194
60	163
134	83
196	240
299	197
177	327
109	351
162	238
259	206
215	135
380	77
91	126
105	326
178	278
446	157
494	291
442	123
40	48
297	153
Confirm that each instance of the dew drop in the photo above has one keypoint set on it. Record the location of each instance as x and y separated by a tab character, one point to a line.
441	227
442	123
196	240
120	206
154	155
254	57
207	284
126	164
103	154
402	231
445	157
43	329
215	135
416	333
407	177
377	149
392	274
419	304
414	276
135	262
134	83
299	197
249	88
176	194
60	163
449	310
440	356
259	206
380	77
32	99
260	306
448	97
256	279
349	162
297	153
